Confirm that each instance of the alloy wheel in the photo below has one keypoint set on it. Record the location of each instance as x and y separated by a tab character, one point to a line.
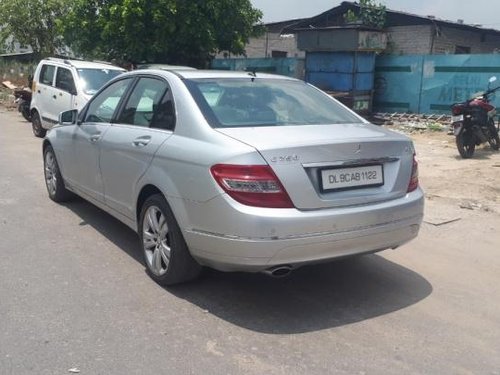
155	241
51	173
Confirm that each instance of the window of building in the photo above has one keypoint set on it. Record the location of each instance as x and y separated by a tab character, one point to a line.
462	50
279	54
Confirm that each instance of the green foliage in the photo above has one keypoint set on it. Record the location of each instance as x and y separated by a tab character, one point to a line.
33	22
165	31
370	14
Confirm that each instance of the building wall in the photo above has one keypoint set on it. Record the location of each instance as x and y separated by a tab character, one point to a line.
16	47
409	40
402	40
292	67
447	39
269	42
431	83
419	39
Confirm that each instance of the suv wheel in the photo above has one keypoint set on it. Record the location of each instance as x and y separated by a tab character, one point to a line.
36	124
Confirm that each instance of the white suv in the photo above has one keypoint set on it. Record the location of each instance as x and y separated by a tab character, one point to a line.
60	85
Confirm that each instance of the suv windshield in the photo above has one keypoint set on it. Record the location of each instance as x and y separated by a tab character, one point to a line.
91	80
230	102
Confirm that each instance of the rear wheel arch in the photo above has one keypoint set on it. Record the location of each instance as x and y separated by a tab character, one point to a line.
146	192
45	144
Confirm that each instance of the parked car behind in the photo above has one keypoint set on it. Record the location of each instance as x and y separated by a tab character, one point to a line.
236	171
60	85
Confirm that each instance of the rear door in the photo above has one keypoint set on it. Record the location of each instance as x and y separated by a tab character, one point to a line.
146	121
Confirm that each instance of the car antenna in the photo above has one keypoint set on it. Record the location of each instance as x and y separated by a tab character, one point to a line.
253	74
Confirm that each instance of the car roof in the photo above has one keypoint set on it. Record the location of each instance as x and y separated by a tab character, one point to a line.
164	67
80	64
199	74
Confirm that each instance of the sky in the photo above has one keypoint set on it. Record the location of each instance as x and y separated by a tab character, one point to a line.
484	12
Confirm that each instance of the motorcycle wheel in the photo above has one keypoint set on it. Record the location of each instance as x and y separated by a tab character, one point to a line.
494	139
24	108
465	145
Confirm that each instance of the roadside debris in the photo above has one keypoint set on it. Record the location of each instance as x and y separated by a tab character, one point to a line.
9	85
471	205
411	123
439	222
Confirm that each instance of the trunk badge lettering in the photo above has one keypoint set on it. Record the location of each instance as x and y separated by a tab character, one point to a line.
285	159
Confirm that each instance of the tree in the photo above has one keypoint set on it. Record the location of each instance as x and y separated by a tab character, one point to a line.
35	23
186	32
370	14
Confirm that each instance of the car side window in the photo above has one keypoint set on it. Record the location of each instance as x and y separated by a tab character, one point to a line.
47	74
103	105
164	113
149	105
64	80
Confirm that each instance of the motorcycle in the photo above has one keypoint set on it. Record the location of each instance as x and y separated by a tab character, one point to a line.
473	122
23	101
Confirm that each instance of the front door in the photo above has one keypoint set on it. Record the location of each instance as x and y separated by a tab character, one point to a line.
87	137
129	145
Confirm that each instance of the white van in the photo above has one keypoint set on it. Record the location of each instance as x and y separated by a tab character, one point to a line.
60	85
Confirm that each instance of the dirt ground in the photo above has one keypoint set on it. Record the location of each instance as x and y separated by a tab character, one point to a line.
454	186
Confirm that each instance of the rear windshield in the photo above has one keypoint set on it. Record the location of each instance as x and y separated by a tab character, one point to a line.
91	80
229	102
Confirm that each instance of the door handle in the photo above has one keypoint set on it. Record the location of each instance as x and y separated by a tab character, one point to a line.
141	141
95	137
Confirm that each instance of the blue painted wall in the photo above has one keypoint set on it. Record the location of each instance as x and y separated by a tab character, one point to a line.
431	83
340	71
292	67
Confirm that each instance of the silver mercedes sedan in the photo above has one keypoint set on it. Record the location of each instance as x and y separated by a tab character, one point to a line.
236	171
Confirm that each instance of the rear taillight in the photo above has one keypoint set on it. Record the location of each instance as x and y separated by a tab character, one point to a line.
413	185
457	110
252	185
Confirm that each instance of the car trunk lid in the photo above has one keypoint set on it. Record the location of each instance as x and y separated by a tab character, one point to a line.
311	160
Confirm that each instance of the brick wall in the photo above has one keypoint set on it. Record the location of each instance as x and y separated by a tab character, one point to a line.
447	39
269	42
409	40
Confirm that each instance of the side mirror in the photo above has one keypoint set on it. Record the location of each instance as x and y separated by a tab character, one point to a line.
68	117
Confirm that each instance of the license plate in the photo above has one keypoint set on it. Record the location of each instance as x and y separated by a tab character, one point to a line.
457	118
352	178
456	129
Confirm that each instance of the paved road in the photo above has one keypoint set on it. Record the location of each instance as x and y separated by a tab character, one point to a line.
74	294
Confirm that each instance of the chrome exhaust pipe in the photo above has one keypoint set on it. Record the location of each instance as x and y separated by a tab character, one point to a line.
278	271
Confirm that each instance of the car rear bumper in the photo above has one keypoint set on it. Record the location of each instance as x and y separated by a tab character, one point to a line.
315	236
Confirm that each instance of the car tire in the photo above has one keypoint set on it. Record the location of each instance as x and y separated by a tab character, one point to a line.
166	255
53	178
36	125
